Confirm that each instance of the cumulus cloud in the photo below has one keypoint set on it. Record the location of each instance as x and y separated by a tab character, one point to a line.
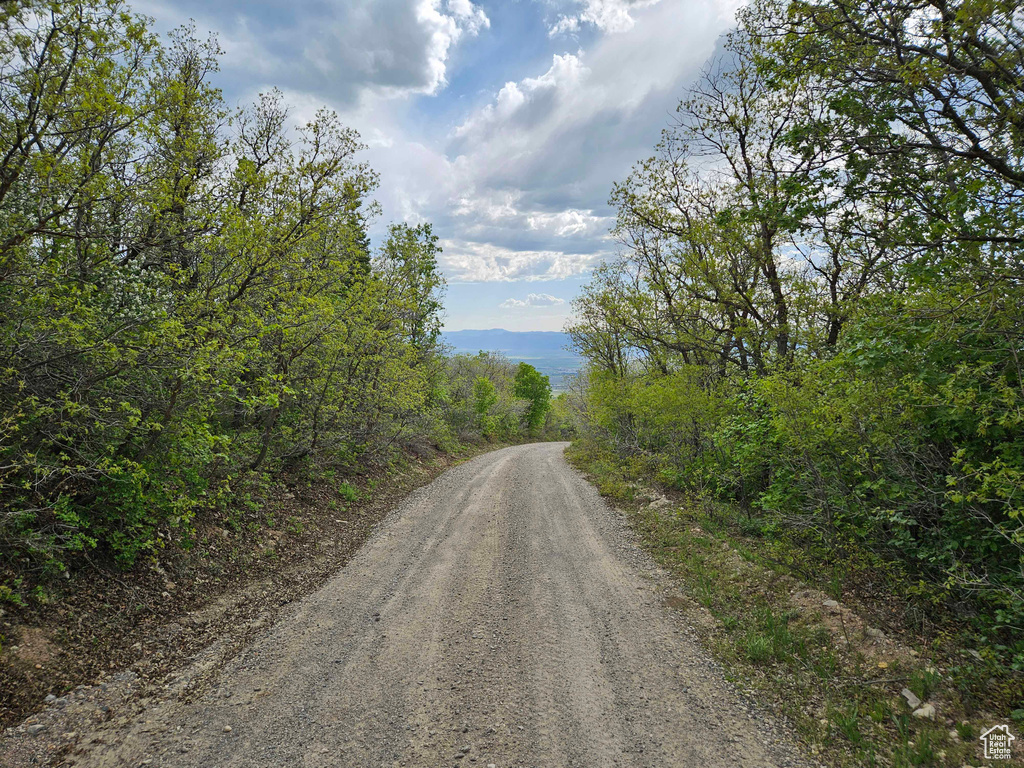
444	27
533	300
468	261
560	138
606	15
533	166
515	182
336	48
570	222
526	104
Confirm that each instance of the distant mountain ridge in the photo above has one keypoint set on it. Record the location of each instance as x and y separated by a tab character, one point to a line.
547	351
510	343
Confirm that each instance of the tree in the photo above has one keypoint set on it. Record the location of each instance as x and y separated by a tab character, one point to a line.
819	306
484	396
739	247
408	260
531	385
184	297
930	90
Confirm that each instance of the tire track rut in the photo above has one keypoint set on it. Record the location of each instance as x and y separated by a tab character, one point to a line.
500	616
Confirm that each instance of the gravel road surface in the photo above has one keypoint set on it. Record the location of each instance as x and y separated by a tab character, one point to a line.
500	617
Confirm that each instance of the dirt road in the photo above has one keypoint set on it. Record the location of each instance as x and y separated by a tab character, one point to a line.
500	617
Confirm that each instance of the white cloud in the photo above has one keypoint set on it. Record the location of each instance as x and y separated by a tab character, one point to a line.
445	29
514	106
533	166
474	18
568	124
467	261
606	15
564	25
517	186
487	205
533	300
340	50
571	222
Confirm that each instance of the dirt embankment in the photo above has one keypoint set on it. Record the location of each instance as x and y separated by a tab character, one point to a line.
237	575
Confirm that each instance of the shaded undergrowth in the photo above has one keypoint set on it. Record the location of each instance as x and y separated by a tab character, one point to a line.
836	677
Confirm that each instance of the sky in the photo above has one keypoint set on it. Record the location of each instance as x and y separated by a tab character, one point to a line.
503	123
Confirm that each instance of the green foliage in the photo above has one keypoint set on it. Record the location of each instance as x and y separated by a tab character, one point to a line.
924	682
847	720
481	400
348	492
409	257
850	710
187	291
827	329
484	396
533	386
560	421
12	594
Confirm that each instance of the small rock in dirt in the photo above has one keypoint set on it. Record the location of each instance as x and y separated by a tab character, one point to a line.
50	698
830	604
35	730
465	749
877	634
227	729
912	701
925	712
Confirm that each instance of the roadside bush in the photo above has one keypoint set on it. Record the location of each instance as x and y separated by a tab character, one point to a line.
188	292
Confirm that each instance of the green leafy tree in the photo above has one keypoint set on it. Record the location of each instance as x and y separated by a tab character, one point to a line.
187	292
532	385
484	398
817	310
409	259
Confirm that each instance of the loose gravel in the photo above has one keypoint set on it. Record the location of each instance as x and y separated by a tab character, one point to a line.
502	616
